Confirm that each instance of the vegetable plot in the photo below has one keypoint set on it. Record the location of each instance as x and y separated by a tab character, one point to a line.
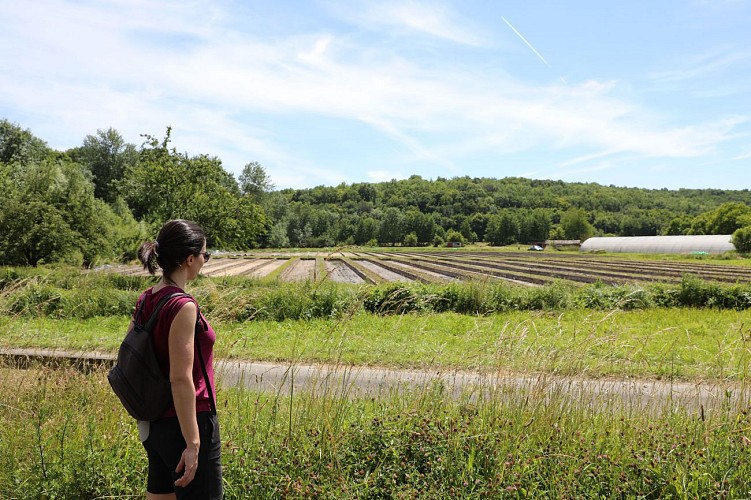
440	267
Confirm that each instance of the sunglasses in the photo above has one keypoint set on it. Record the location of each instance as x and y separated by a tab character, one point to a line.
206	256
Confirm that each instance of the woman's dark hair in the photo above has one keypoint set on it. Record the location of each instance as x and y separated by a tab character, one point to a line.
177	240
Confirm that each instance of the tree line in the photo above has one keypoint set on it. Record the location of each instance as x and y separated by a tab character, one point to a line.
96	202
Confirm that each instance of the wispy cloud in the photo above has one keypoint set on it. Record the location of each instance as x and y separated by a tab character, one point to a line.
94	65
744	156
703	65
430	18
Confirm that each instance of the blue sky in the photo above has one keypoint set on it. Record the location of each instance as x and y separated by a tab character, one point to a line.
653	94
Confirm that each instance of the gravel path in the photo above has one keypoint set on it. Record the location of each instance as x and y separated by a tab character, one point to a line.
374	381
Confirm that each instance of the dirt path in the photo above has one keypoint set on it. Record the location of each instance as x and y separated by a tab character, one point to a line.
355	381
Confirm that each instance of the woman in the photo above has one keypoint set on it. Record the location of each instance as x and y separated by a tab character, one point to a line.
183	446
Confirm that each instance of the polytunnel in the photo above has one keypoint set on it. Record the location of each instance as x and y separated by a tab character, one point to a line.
712	243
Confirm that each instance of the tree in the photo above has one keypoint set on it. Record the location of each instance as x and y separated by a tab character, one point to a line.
534	226
367	229
34	232
467	232
678	226
255	182
20	146
391	229
278	235
421	224
502	229
410	240
49	213
575	225
454	236
107	156
742	240
724	219
165	184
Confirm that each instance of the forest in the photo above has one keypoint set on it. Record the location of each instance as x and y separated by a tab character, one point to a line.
96	202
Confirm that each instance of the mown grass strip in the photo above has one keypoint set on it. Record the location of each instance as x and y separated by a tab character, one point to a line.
412	274
686	344
362	271
273	276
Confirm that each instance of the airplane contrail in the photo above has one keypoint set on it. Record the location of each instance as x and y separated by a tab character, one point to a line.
525	41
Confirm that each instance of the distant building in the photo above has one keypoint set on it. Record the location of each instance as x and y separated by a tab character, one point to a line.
712	243
561	244
454	244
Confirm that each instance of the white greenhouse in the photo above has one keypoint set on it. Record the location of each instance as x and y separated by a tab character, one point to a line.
712	243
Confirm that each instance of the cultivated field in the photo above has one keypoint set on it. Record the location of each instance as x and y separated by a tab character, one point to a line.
440	267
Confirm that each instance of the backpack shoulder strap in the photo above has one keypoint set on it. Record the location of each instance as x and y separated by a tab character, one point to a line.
155	315
200	325
152	320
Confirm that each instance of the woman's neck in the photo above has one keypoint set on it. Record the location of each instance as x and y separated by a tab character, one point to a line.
174	281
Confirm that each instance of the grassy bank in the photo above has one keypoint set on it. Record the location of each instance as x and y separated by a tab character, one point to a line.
64	436
653	343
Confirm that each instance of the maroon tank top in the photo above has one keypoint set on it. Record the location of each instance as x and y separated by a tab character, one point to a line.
160	336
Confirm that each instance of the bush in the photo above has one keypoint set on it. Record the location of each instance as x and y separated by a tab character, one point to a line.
393	298
742	240
465	298
549	297
410	240
601	296
503	297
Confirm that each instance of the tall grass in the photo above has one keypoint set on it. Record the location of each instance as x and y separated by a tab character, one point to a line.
67	293
63	435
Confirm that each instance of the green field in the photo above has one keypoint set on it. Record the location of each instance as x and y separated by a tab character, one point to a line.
65	436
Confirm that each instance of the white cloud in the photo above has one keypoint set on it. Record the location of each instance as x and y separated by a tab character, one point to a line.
385	175
431	18
142	66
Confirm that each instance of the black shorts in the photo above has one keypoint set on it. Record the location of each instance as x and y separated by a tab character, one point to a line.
165	446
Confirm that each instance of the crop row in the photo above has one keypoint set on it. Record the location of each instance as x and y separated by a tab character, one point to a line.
440	267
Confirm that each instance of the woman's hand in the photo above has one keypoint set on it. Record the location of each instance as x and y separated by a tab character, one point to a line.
188	463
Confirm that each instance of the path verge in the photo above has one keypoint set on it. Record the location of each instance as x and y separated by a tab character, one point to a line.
365	381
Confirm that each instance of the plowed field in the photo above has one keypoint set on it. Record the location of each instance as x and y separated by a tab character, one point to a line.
438	267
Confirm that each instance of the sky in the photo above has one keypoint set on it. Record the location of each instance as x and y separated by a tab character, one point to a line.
638	93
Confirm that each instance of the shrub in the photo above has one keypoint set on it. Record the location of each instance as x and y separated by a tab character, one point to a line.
503	297
464	298
549	297
393	298
601	296
742	240
454	236
410	240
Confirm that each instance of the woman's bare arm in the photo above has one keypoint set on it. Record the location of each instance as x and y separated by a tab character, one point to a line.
181	339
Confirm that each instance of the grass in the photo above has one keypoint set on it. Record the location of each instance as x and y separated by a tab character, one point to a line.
64	436
653	343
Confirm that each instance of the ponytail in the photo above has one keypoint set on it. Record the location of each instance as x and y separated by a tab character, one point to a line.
147	254
175	242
